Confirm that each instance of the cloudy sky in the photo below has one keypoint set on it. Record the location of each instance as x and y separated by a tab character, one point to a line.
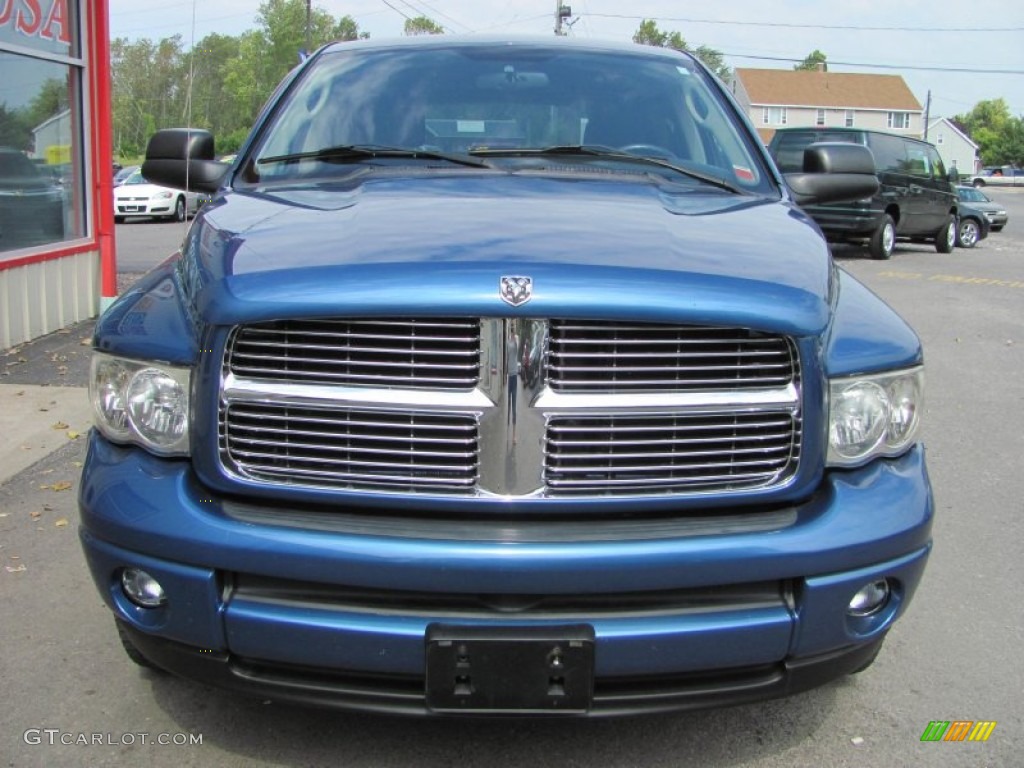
962	52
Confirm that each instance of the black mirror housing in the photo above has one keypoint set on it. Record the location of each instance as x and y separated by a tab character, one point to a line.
182	158
834	172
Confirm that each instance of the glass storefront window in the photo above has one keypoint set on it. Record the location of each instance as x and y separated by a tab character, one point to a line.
42	169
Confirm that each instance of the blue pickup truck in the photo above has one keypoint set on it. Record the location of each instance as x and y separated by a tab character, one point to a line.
505	377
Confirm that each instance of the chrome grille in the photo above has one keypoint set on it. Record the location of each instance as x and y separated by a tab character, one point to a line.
510	407
667	453
422	353
647	357
325	446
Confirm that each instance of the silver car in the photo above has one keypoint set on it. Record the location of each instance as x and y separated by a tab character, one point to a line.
994	212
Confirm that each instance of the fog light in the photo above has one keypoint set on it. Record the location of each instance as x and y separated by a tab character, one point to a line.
142	589
870	599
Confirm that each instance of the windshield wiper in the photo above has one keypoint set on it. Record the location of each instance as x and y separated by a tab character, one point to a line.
597	150
356	152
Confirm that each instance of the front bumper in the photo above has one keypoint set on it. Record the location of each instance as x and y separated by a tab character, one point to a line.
334	607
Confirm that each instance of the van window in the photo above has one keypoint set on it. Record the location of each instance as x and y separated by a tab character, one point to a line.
889	151
938	167
788	148
918	161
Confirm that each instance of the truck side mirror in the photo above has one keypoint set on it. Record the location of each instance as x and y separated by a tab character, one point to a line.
834	172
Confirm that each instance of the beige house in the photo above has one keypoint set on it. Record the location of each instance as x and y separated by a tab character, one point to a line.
786	98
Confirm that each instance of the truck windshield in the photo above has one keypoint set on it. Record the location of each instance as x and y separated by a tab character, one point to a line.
513	105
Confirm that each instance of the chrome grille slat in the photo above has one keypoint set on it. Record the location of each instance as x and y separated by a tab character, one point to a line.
365	479
612	428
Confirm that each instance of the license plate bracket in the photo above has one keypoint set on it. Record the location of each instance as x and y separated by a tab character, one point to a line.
510	670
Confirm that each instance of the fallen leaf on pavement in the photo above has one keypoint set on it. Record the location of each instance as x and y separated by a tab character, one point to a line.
12	569
60	425
62	523
63	485
72	435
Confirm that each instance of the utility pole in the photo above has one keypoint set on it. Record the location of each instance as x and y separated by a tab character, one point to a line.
927	113
562	12
309	32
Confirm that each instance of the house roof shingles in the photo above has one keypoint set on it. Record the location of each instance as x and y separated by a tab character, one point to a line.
838	90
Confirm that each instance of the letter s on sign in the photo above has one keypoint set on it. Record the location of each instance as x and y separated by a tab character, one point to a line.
29	27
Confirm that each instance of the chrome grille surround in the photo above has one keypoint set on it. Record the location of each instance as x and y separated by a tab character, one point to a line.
524	429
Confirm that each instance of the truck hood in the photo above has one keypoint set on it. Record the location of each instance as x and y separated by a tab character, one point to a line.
608	245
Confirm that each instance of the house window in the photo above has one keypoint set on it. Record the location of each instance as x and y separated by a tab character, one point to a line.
820	119
776	116
899	120
766	116
940	139
848	122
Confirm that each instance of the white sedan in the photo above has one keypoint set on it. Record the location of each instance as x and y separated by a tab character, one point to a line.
137	197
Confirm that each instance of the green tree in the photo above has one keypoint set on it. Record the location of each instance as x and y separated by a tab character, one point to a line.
149	90
268	52
810	64
1011	146
347	29
221	84
15	128
649	34
212	105
421	25
996	132
52	99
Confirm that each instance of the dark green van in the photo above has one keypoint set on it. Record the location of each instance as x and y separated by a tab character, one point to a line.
916	199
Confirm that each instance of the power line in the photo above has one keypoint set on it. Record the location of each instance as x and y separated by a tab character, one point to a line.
784	25
443	15
958	70
399	11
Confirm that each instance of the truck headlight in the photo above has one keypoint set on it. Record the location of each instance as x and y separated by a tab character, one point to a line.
873	415
141	402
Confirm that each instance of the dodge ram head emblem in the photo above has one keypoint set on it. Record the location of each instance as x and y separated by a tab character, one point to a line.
515	290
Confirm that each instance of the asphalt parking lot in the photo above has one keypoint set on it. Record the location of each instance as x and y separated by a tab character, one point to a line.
71	697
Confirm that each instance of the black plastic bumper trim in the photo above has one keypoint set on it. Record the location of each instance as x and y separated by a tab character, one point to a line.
405	695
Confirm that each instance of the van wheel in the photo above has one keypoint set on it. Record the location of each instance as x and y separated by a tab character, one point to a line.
967	234
884	238
945	239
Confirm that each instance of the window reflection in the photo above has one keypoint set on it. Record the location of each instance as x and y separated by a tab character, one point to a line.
41	169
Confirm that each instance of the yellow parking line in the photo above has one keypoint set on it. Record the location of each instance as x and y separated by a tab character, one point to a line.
961	279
